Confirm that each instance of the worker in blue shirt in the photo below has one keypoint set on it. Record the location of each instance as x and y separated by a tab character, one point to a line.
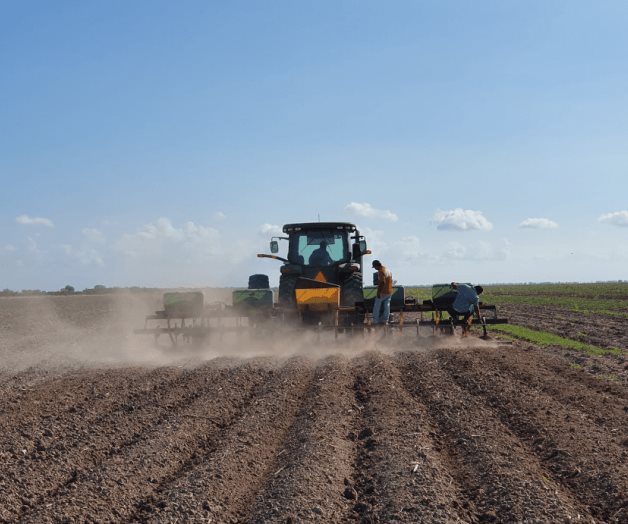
466	303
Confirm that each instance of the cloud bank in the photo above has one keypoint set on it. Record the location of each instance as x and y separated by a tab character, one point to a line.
618	218
538	223
93	235
272	230
368	211
461	220
161	237
26	220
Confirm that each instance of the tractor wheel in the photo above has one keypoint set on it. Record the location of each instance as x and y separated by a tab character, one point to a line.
258	282
351	292
287	285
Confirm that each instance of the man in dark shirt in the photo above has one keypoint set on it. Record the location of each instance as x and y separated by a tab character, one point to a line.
320	256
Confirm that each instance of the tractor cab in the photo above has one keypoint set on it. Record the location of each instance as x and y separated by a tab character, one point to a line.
326	252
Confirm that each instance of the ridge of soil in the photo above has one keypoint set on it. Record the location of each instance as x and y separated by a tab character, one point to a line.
408	430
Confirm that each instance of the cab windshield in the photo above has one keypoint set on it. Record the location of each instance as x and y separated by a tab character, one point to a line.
319	248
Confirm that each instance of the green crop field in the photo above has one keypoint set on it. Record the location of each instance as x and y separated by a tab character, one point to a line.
543	338
604	298
607	298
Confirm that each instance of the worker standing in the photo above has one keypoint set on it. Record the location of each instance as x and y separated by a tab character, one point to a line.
384	293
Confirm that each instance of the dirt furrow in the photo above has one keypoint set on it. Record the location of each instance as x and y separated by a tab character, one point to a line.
604	403
400	474
496	473
139	466
31	414
39	459
578	453
227	477
19	380
316	456
86	438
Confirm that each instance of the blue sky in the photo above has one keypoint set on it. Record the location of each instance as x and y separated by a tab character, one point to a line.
161	143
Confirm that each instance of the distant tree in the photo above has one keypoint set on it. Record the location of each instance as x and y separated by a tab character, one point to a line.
68	290
7	293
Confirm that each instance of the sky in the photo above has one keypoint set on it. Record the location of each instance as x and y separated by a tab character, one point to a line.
161	144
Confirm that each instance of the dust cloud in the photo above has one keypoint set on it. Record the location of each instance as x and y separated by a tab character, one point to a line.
60	332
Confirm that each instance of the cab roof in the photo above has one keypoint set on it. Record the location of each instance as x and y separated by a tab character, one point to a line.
317	226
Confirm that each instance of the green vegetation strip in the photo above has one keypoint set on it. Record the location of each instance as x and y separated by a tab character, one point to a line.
610	300
585	306
599	290
543	338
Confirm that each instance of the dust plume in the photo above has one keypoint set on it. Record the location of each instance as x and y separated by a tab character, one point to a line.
60	332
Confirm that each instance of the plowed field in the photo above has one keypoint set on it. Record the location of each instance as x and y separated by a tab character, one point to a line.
95	427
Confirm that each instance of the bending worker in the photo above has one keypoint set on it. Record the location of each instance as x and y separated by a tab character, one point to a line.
384	293
467	301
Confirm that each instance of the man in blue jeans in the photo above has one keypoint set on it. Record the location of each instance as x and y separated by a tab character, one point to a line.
466	303
384	293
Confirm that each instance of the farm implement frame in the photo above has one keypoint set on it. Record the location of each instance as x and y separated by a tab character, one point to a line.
320	287
185	317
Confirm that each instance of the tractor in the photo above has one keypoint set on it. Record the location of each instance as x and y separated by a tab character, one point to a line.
320	285
323	270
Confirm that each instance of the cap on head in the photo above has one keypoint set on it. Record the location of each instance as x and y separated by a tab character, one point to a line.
377	264
478	289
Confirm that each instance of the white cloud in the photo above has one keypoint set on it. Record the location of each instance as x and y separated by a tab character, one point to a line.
219	216
25	220
10	248
618	218
538	223
163	238
33	249
375	241
93	235
272	230
461	220
87	256
166	254
409	249
367	210
482	251
455	251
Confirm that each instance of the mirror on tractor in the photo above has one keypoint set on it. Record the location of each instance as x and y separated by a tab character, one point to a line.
359	249
274	246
